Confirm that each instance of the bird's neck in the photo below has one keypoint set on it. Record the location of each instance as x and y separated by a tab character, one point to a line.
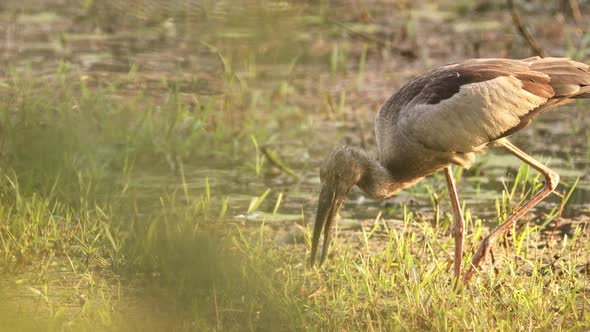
378	181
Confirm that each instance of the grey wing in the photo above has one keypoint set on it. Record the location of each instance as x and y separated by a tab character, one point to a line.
478	114
486	107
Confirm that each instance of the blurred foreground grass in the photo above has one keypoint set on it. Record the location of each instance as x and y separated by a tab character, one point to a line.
78	240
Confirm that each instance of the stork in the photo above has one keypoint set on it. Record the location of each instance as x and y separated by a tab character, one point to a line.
447	117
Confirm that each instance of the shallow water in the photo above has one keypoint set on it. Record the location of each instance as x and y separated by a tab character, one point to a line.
194	51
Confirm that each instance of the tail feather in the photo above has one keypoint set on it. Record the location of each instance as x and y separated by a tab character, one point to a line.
568	78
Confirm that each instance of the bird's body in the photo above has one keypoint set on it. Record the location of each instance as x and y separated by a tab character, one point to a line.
447	117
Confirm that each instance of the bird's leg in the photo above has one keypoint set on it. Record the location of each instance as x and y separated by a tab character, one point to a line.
551	181
458	221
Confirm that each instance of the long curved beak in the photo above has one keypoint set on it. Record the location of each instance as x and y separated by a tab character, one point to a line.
328	204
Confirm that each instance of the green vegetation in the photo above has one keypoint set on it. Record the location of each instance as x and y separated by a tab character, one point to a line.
83	245
178	198
72	204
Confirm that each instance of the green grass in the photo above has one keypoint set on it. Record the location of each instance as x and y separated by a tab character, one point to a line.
82	249
73	210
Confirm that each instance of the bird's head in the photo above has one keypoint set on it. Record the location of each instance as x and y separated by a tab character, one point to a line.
342	170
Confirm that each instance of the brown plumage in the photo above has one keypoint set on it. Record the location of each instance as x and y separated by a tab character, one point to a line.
447	117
